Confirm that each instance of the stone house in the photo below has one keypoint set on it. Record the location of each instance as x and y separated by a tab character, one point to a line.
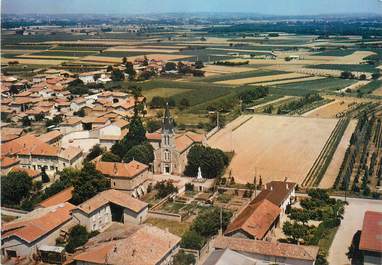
109	206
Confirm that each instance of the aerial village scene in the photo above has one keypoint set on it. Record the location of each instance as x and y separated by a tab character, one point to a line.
191	133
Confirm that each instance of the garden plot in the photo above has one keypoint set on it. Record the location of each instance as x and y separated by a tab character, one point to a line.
252	80
274	147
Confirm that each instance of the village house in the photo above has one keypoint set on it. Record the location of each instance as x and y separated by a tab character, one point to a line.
52	137
22	237
371	238
262	215
247	251
36	154
132	177
130	245
72	124
77	104
109	206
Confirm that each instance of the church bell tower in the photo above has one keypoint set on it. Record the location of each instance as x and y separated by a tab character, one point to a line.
167	142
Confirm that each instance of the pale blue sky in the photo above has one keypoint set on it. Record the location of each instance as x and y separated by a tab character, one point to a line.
276	7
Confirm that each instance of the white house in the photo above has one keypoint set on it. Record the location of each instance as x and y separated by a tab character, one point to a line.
110	206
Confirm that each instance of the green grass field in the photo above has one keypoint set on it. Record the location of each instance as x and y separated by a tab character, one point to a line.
255	73
336	52
373	85
318	85
65	53
346	67
163	92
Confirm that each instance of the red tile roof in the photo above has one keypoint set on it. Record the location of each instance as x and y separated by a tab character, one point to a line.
31	228
49	136
371	235
121	170
58	198
114	196
255	220
131	245
31	173
7	162
267	248
28	144
276	192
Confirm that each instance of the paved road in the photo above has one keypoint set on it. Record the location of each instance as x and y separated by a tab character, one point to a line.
352	222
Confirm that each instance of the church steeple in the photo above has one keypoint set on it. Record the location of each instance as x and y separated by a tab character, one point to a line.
168	122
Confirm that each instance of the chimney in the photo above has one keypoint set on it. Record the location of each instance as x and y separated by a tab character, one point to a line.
133	254
115	170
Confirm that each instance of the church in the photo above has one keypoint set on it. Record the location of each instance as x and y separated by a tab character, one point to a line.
171	149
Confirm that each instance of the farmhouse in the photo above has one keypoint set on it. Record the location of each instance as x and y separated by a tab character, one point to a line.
262	215
109	206
171	150
132	177
227	249
255	221
371	238
130	245
22	237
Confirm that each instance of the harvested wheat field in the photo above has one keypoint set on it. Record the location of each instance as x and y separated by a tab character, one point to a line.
219	69
330	110
33	61
274	147
288	81
259	79
334	166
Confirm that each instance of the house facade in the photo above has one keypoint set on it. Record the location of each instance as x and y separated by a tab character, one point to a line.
98	213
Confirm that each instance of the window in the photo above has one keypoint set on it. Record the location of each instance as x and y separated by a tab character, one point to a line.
11	253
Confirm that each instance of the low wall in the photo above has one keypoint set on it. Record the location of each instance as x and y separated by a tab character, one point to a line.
165	216
212	132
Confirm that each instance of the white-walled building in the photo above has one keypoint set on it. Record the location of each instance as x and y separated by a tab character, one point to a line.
111	205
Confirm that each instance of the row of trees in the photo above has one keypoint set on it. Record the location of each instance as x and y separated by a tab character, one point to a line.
160	102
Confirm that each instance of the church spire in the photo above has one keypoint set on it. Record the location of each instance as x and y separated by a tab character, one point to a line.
168	123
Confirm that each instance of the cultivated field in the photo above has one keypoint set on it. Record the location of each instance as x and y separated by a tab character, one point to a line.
330	110
252	80
274	147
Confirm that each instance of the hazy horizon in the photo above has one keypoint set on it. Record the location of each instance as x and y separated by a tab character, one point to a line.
264	7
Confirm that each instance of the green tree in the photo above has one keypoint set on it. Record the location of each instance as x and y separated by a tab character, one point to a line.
192	240
117	75
15	187
199	65
78	236
143	153
295	231
130	70
300	215
94	152
153	125
157	102
184	103
164	188
170	66
110	157
136	134
182	258
89	183
211	161
207	223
